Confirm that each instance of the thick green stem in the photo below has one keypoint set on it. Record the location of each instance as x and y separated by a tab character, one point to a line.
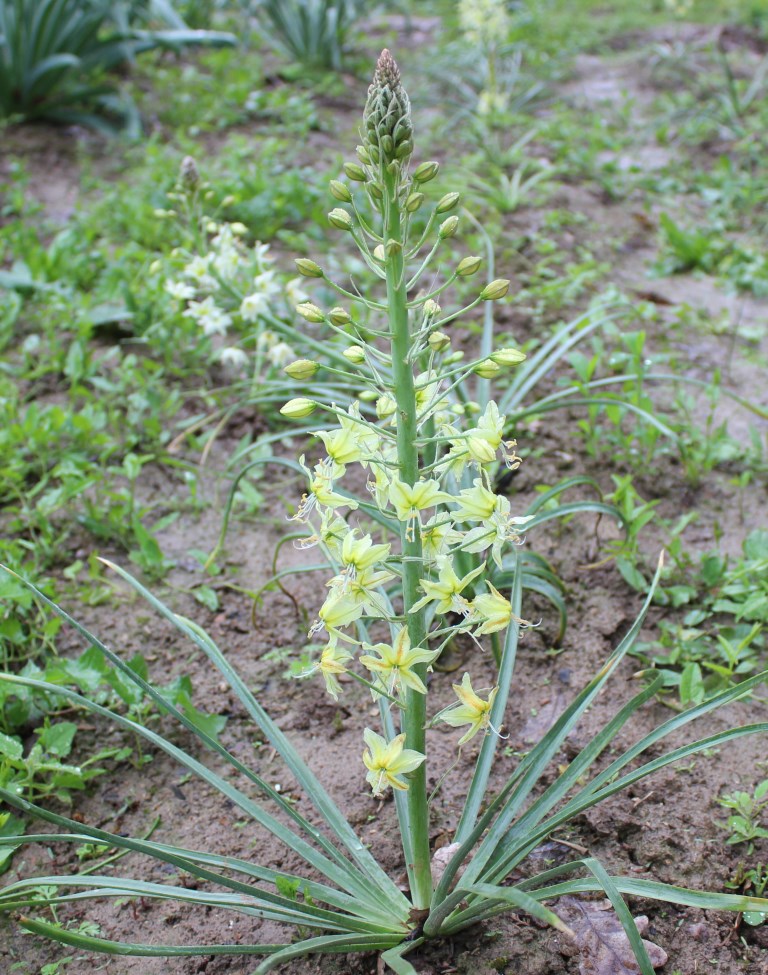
413	719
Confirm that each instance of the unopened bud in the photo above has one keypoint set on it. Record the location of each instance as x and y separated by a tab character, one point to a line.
495	290
393	247
155	267
508	357
379	253
339	316
298	408
439	342
308	268
468	266
448	202
363	155
340	191
375	191
310	312
385	406
238	228
425	171
367	395
448	227
301	369
456	356
228	200
354	354
486	369
189	174
431	308
340	219
355	172
413	202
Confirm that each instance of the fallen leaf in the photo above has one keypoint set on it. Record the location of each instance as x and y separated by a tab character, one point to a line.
600	940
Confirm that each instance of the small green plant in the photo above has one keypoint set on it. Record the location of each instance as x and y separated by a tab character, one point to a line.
54	53
392	606
314	32
751	880
743	824
719	641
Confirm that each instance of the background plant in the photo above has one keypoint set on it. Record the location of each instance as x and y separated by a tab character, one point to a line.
54	54
314	32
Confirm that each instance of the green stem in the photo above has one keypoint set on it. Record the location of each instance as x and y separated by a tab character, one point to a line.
413	719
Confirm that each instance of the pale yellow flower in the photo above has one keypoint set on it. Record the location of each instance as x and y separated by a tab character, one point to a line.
339	609
475	504
394	664
409	500
492	610
333	662
387	761
471	709
446	592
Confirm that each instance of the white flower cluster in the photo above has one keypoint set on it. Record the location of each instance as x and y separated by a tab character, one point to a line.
484	22
232	285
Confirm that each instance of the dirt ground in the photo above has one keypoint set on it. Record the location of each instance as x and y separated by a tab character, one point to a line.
666	829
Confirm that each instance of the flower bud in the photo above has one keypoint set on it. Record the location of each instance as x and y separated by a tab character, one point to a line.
189	174
308	268
448	202
238	228
367	395
385	406
375	191
393	247
431	308
363	155
339	316
448	227
486	369
354	354
301	369
425	171
456	356
508	357
340	191
355	172
468	266
379	253
228	200
298	408
495	290
439	342
310	312
413	202
340	219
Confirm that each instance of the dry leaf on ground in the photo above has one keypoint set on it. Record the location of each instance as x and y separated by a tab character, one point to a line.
599	938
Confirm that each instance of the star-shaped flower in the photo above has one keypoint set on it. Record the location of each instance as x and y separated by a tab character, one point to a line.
471	710
387	761
394	664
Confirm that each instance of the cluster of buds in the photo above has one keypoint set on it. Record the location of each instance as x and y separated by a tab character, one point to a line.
429	457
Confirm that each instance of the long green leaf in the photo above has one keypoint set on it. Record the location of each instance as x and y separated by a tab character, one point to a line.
343	874
75	939
301	772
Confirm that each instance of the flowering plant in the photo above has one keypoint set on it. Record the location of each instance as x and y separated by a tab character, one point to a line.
391	607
